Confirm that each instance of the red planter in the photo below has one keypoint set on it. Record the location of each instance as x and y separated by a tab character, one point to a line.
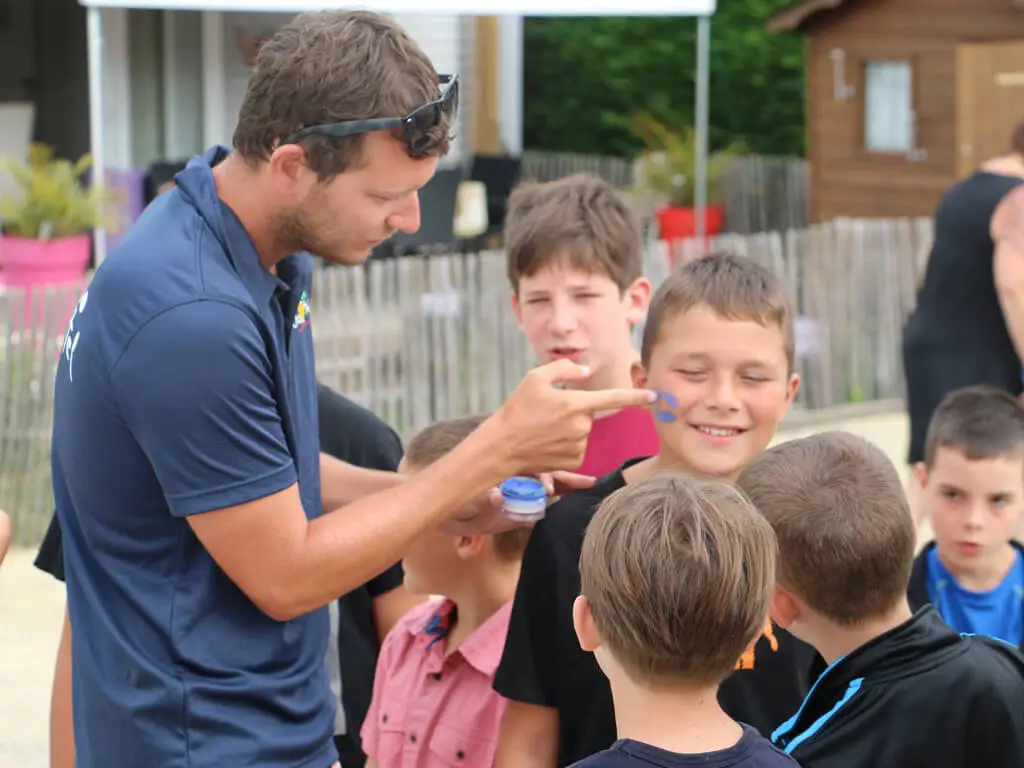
33	265
678	223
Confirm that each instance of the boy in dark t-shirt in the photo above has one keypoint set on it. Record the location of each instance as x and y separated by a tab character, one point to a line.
718	346
663	648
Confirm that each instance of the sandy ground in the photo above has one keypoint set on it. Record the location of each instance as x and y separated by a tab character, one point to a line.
32	605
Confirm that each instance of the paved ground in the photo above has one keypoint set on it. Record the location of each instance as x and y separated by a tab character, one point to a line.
32	605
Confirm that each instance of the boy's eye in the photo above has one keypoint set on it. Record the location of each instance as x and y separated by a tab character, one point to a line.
692	372
1000	501
756	378
536	300
588	295
951	494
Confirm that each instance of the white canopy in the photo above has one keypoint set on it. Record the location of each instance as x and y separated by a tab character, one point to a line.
460	7
702	9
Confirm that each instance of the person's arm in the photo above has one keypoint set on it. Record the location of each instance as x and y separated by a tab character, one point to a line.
1007	230
342	483
525	676
5	535
218	449
62	731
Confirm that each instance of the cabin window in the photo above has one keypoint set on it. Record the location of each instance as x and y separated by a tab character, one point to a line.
888	107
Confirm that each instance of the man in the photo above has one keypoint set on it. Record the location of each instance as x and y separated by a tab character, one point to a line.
186	467
360	619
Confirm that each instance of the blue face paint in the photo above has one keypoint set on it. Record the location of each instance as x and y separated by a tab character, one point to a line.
664	414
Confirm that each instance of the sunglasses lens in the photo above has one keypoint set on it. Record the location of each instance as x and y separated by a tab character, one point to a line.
419	126
450	103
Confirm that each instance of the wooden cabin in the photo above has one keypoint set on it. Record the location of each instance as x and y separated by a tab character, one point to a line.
904	97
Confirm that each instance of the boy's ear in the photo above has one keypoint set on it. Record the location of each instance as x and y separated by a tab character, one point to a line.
468	547
920	472
583	623
792	387
517	310
785	607
638	295
639	375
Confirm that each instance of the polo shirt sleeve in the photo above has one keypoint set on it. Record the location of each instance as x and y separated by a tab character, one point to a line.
195	386
526	671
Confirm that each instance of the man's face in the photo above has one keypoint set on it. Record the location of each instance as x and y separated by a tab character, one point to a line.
343	219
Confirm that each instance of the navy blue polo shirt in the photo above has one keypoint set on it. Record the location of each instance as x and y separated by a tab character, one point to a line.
186	385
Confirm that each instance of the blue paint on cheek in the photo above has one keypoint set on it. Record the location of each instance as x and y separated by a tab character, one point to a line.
669	398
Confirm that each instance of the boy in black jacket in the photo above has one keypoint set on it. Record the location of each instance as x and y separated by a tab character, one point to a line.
902	690
972	482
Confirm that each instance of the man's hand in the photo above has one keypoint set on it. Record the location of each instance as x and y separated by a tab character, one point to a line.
545	428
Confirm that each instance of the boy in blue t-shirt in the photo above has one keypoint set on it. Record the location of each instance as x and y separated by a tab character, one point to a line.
972	481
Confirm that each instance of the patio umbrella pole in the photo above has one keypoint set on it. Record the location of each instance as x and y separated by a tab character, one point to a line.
94	25
700	187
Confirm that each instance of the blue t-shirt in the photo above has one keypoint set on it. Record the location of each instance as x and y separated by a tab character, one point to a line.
751	751
997	613
186	385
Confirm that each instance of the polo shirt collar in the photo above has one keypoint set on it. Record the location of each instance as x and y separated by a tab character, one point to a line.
197	185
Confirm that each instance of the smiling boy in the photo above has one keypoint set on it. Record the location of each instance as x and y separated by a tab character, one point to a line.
718	346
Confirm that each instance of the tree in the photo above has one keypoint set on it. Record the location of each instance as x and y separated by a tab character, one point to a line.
587	78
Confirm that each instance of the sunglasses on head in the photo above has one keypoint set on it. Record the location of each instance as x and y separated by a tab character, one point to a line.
416	126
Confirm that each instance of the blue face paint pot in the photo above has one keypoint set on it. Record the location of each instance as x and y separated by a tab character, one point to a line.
524	499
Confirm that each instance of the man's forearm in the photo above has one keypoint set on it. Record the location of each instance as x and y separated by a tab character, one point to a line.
347	548
342	483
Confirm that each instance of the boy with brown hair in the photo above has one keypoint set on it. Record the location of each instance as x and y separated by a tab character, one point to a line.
718	347
972	486
432	696
846	545
575	264
677	575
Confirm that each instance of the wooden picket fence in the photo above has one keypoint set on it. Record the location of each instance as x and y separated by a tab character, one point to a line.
419	339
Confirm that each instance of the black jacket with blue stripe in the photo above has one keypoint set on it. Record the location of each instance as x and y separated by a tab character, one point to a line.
919	696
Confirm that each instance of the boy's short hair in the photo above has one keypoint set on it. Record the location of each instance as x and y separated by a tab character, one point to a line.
439	439
982	421
579	217
840	514
735	287
678	572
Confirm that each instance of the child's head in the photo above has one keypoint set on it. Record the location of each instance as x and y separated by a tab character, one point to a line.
845	534
575	264
442	563
676	578
973	474
719	342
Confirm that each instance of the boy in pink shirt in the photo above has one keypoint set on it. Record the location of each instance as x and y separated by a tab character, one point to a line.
433	702
575	262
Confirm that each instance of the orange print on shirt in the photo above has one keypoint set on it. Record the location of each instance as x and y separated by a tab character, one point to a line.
768	633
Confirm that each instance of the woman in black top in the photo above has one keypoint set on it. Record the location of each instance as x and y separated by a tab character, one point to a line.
968	324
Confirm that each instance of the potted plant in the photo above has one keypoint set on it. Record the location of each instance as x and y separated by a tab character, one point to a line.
44	229
668	169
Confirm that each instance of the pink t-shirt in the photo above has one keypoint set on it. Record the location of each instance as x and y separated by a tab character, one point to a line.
623	435
432	709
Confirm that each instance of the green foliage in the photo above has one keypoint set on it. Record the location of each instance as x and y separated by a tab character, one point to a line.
586	79
53	201
668	166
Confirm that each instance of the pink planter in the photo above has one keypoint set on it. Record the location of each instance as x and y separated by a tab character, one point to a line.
33	265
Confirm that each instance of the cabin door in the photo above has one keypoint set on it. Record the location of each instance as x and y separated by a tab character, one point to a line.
989	100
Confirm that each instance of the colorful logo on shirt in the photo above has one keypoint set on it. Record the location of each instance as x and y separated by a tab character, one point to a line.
302	314
748	659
